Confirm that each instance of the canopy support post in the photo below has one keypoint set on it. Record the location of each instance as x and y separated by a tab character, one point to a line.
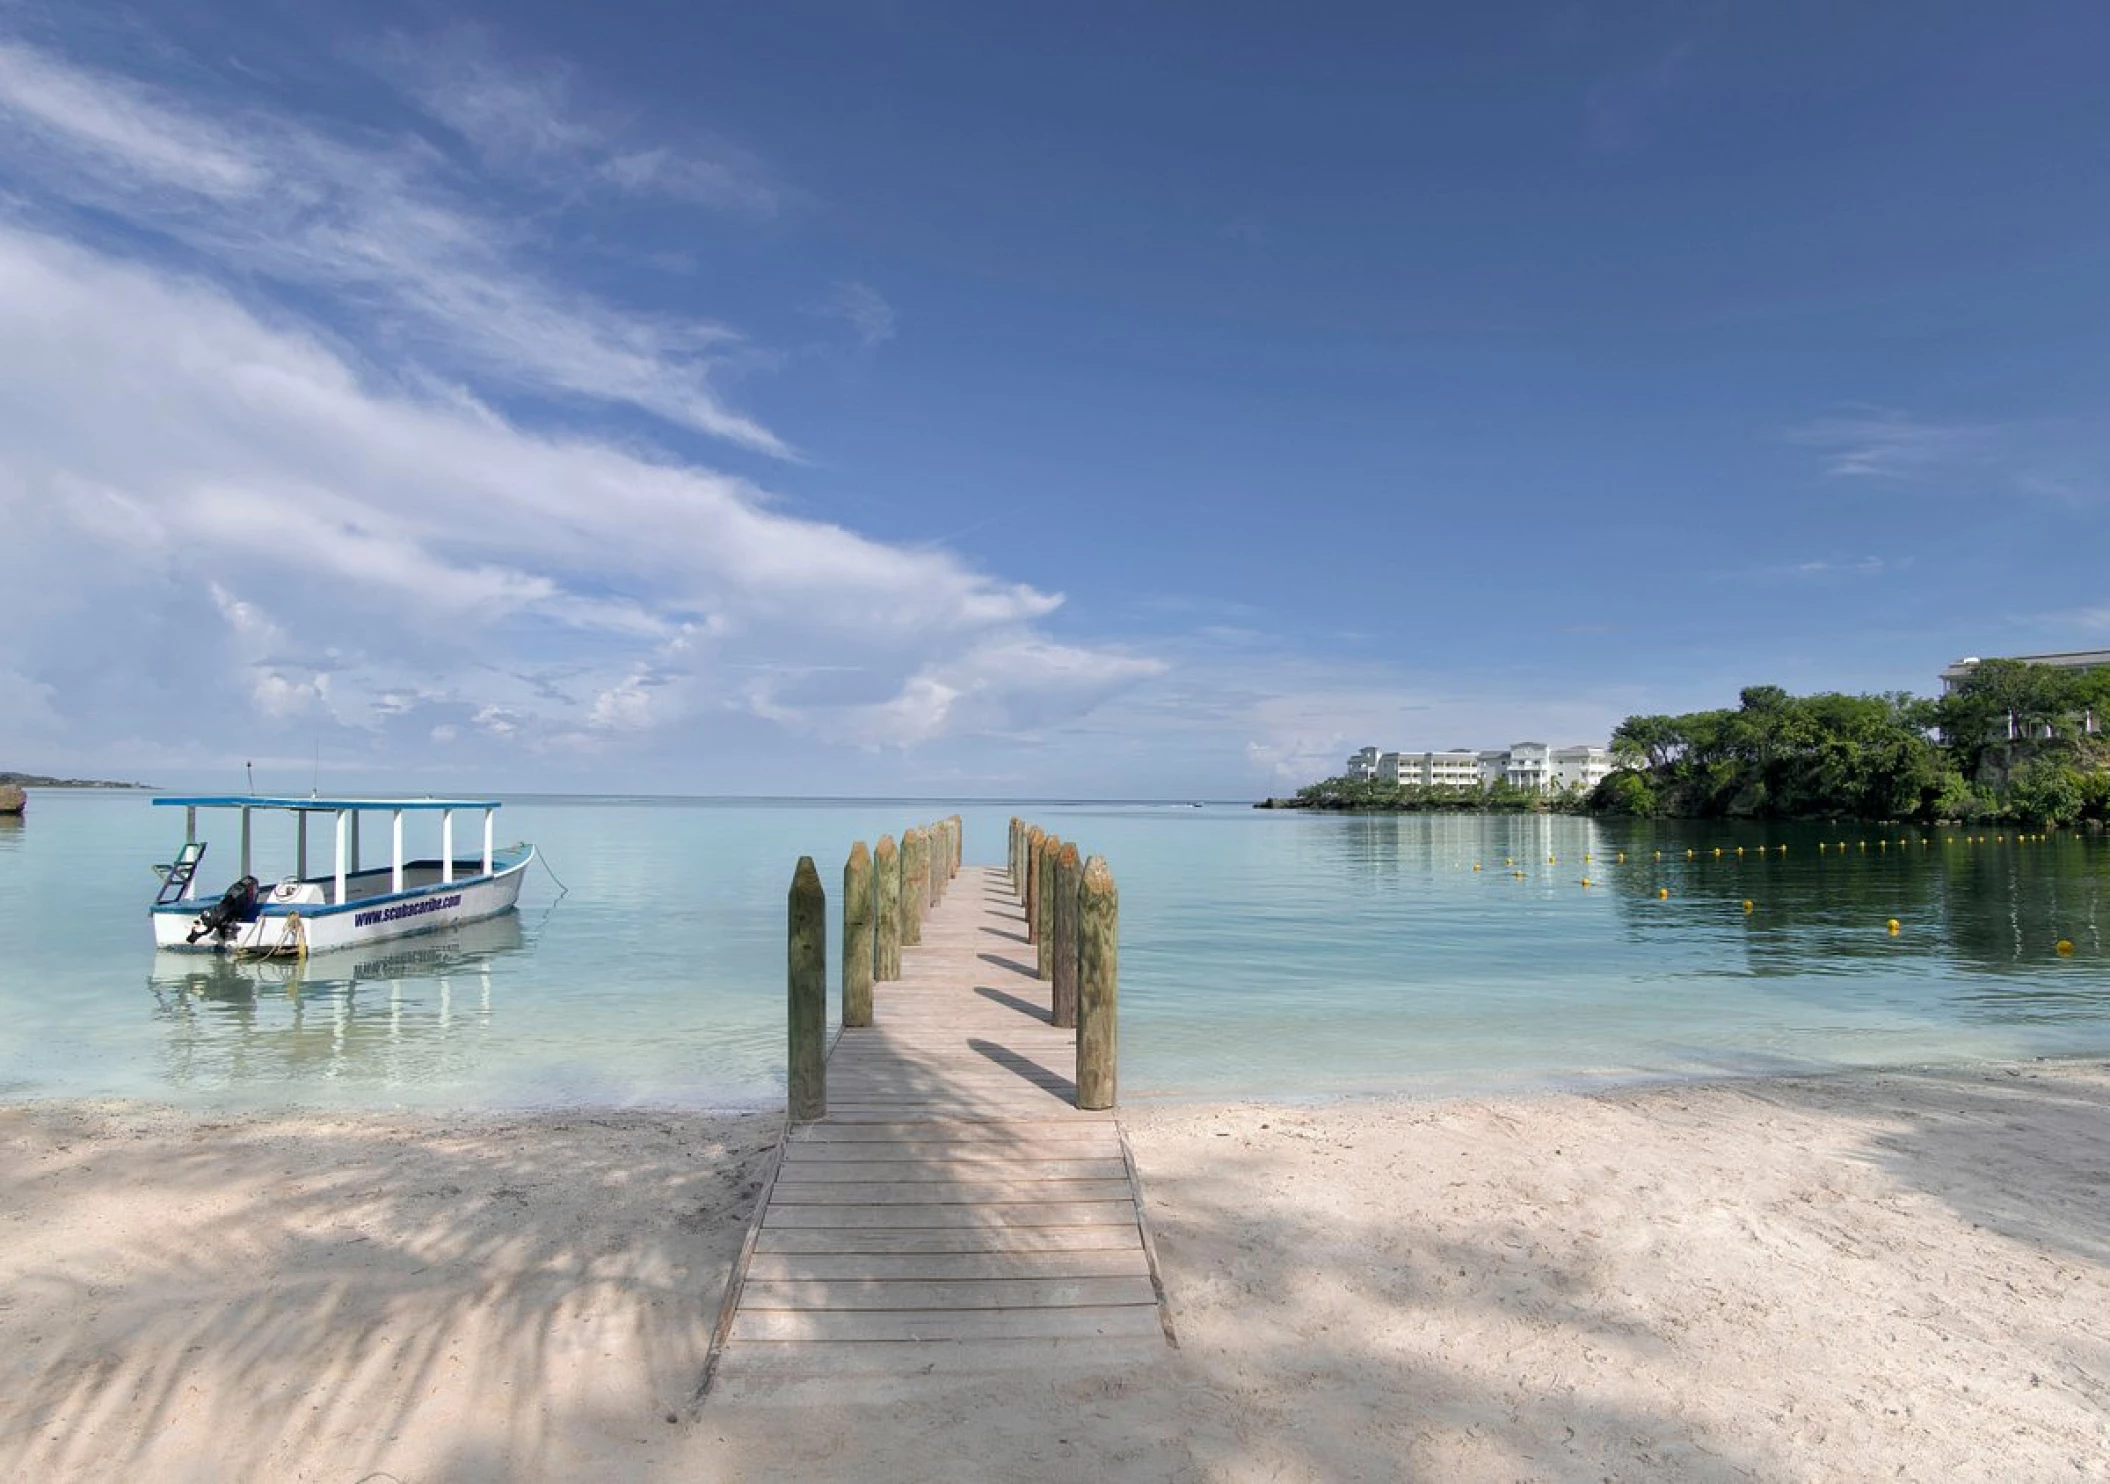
340	854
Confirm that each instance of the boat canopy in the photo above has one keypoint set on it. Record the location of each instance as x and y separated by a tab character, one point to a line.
319	806
344	852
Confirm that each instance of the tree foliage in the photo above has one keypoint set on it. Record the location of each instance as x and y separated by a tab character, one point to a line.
2012	741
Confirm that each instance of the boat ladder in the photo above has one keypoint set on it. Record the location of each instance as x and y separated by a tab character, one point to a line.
176	876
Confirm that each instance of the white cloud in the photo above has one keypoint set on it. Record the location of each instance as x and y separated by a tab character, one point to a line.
377	222
534	119
308	543
866	310
1008	684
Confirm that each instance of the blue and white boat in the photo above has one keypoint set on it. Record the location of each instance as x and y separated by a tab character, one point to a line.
347	903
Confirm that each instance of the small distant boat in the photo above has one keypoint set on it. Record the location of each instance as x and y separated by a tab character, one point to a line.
344	906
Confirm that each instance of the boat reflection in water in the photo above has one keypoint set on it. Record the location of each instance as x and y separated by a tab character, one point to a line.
392	1012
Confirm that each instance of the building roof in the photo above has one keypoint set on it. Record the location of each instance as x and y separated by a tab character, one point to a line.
2064	659
319	806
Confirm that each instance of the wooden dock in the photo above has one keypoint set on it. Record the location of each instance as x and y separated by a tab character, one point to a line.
954	1211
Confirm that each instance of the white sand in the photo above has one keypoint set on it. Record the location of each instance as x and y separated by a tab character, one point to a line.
1871	1276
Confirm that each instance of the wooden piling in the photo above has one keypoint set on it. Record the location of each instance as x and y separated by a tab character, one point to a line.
1034	835
959	843
857	937
1069	872
886	901
1098	985
915	885
807	984
934	874
1044	909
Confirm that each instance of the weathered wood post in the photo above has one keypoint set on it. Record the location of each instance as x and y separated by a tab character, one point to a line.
934	875
857	937
1098	984
1069	872
1034	835
1044	909
915	884
807	982
886	869
959	844
1018	857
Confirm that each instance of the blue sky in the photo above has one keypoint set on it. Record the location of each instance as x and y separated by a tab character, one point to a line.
1084	401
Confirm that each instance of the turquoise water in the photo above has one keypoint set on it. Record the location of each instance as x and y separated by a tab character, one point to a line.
1263	955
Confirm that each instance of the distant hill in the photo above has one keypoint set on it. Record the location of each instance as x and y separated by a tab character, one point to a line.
38	780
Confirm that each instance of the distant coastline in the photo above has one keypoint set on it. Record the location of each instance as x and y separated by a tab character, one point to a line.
38	780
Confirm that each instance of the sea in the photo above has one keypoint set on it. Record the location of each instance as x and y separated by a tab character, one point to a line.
1263	955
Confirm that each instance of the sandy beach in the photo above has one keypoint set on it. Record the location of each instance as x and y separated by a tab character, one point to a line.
1854	1277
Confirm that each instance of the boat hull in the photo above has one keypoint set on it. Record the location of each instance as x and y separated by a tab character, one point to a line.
290	928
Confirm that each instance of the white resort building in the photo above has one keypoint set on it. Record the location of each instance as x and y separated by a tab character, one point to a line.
2068	659
1527	765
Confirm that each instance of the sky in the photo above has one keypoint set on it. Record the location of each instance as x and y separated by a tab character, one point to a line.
968	400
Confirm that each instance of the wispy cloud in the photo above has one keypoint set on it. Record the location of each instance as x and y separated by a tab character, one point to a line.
534	118
866	310
1881	444
1867	566
378	223
2038	459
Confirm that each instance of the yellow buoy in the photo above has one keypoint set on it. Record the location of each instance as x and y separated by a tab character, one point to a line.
1717	852
1739	850
1662	893
1586	881
1783	850
1657	856
1509	860
1476	865
1621	860
1893	927
1688	855
2065	946
1747	904
1820	847
1586	857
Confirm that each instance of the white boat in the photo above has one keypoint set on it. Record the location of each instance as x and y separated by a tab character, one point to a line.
348	904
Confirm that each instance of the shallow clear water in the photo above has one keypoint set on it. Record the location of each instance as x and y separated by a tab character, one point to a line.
1263	955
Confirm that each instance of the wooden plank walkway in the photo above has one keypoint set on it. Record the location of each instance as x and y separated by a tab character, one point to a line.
954	1212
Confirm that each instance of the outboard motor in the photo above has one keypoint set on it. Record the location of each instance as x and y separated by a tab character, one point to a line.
230	912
